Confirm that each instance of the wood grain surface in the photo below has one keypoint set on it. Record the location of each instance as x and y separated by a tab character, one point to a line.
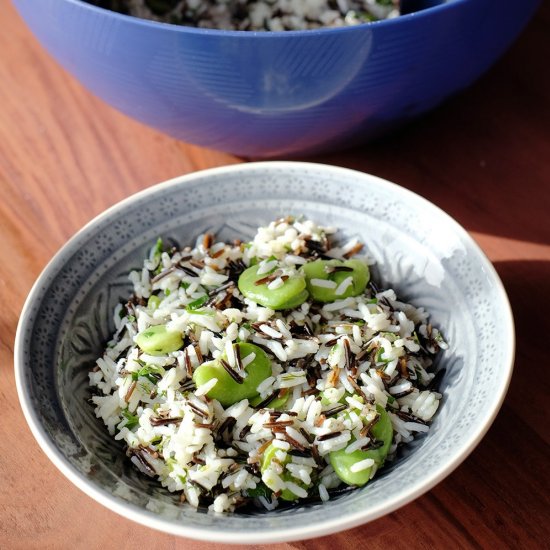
484	157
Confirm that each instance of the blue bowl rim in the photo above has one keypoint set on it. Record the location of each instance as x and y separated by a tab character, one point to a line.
447	5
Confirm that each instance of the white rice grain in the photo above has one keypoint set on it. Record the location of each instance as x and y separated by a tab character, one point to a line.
343	286
205	388
323	283
296	489
266	329
362	465
357	444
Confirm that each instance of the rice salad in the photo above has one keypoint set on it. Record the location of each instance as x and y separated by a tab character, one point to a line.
257	15
265	373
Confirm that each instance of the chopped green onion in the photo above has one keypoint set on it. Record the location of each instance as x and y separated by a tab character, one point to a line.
261	490
131	419
196	304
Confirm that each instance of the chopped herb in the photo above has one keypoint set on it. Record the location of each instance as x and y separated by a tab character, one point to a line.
261	490
157	250
196	304
152	373
131	419
202	312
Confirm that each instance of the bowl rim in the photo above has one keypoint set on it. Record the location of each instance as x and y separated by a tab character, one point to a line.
290	532
446	5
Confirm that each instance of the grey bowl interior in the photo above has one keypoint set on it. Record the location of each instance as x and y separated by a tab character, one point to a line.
420	252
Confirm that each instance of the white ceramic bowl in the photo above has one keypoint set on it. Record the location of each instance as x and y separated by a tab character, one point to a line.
420	251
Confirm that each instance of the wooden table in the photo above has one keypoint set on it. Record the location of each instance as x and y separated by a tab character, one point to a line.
484	157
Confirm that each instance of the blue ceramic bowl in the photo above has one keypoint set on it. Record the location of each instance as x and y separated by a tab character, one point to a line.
272	94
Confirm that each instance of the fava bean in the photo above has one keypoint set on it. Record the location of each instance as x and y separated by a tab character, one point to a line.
227	390
342	461
268	457
158	340
336	272
290	294
153	302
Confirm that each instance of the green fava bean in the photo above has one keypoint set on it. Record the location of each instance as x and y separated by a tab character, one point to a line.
342	461
153	302
227	390
298	300
290	294
158	340
269	455
336	271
